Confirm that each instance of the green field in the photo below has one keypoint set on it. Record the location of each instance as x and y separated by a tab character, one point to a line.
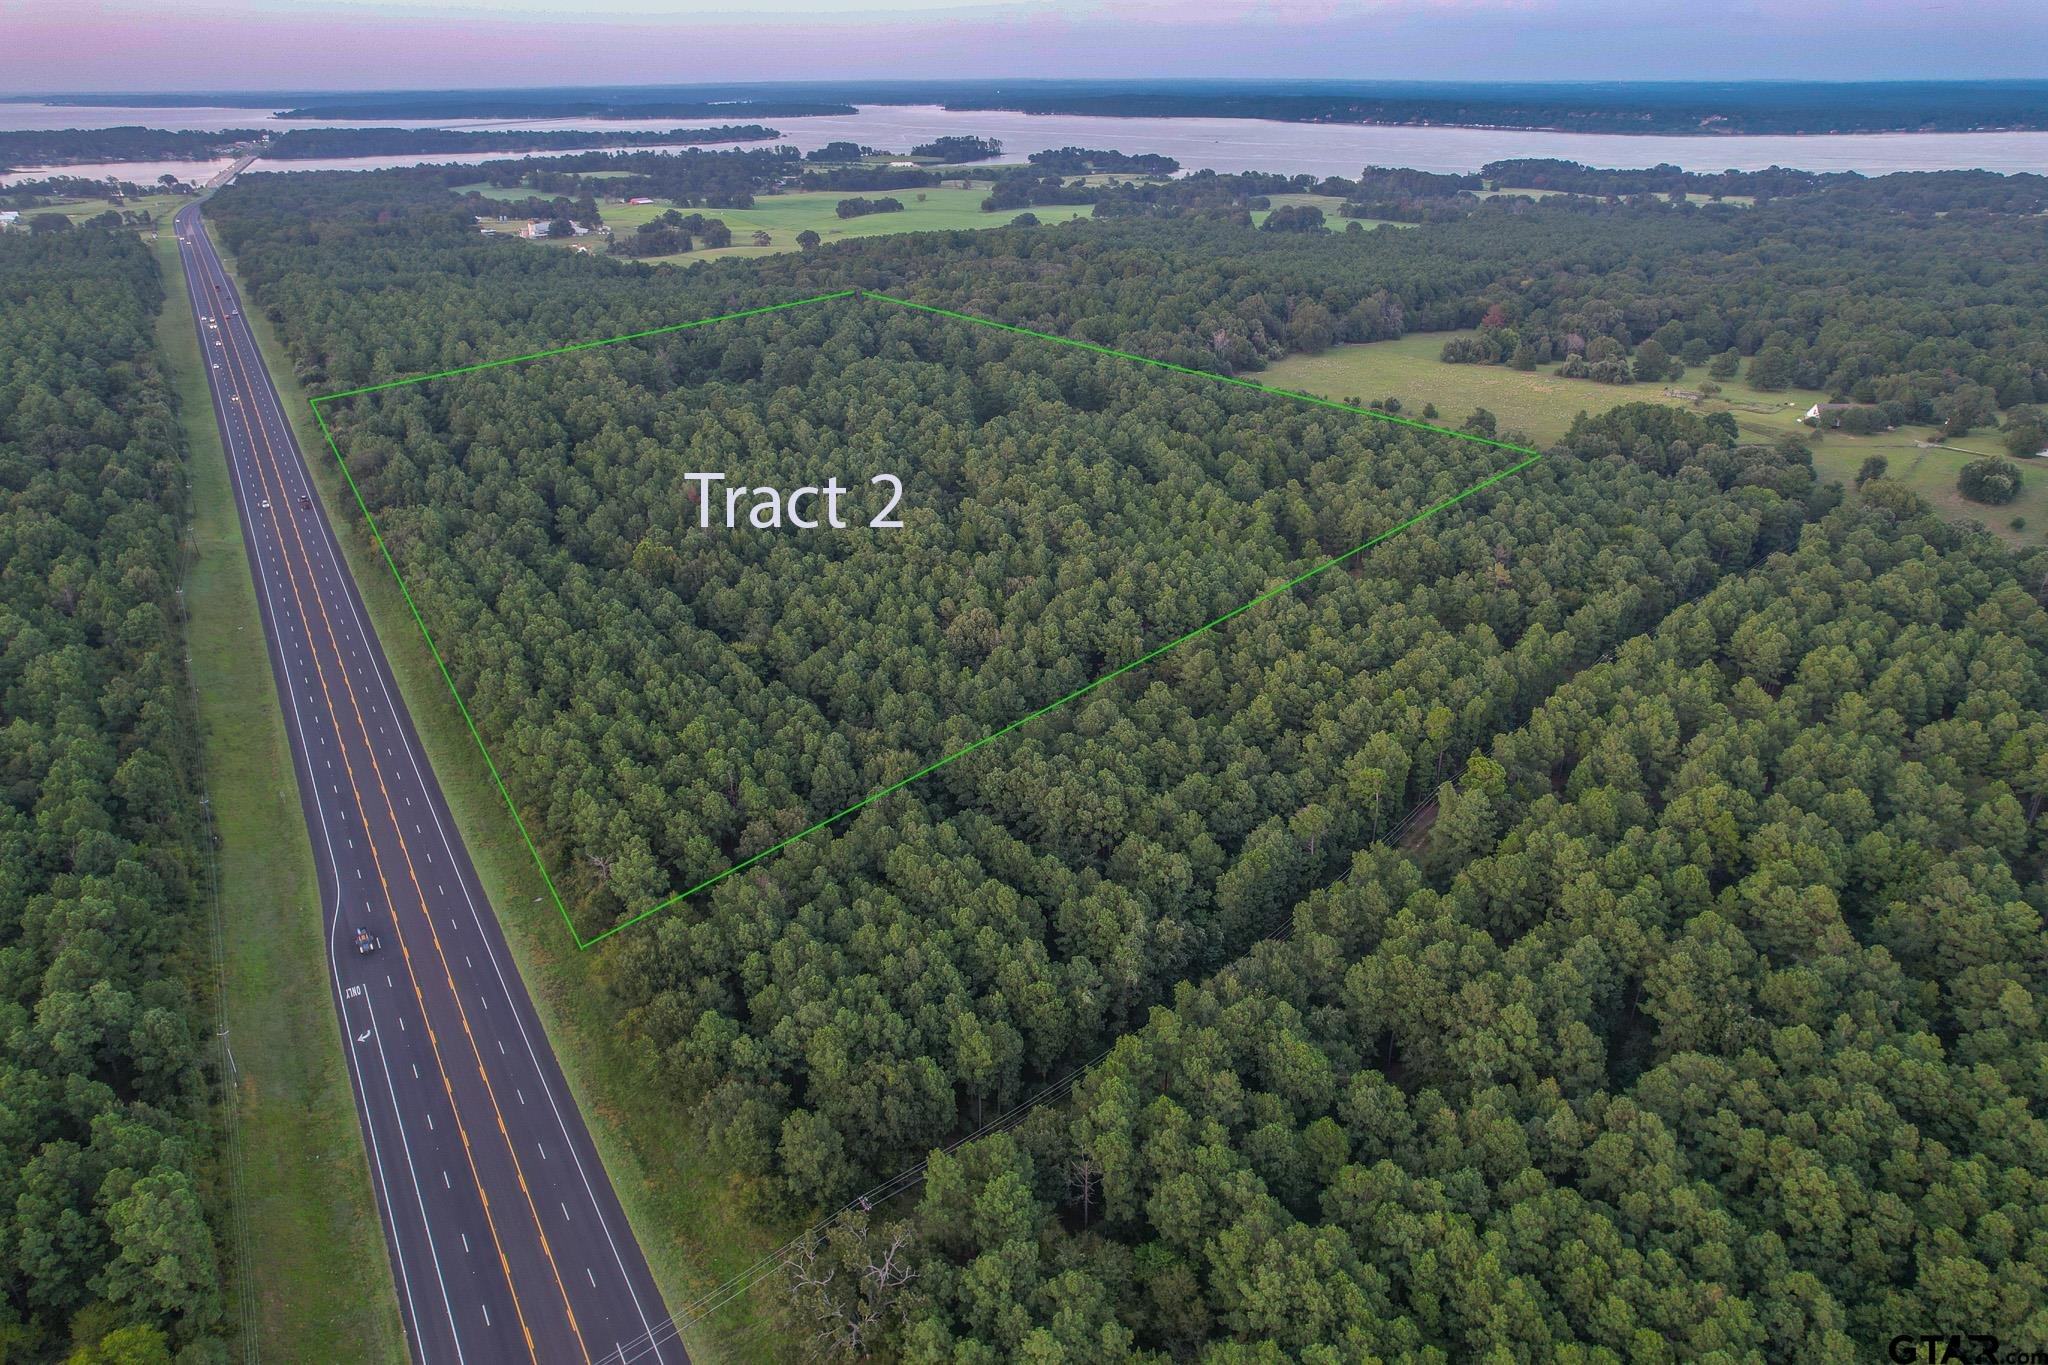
678	1202
161	206
315	1254
783	216
1541	406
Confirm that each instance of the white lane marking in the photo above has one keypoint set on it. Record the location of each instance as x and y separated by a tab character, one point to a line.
332	553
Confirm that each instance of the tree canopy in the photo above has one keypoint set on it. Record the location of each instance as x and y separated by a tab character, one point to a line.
103	1103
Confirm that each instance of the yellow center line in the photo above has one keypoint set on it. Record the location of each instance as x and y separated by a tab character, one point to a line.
235	358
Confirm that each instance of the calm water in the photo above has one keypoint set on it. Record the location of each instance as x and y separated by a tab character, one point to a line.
1216	144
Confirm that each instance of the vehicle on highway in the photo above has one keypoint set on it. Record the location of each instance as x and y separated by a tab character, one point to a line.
266	504
305	503
367	942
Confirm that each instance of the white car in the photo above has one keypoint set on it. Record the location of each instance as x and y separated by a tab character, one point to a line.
266	504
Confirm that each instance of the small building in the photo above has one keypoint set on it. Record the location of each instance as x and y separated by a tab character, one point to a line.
642	199
9	217
1818	413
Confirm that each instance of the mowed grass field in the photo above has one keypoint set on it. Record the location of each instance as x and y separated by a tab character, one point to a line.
159	206
1330	204
1541	406
783	216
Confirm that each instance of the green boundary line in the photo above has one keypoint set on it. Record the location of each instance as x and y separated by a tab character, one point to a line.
1530	457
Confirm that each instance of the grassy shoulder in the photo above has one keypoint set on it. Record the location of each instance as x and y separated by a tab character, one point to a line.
1542	405
316	1257
681	1207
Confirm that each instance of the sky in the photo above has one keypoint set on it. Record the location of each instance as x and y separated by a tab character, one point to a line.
150	45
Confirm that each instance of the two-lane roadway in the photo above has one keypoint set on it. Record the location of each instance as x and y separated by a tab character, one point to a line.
506	1240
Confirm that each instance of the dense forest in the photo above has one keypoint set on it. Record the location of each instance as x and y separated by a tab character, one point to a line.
104	1141
1661	842
1705	1022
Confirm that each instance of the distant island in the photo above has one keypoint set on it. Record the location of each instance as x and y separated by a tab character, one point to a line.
78	146
301	144
510	106
1694	108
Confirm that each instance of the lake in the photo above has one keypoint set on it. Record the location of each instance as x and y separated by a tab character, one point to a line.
1198	143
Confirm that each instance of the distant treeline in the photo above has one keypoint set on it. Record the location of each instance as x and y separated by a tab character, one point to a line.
870	178
1412	196
1423	196
517	106
1084	160
1687	107
731	179
692	177
302	144
72	146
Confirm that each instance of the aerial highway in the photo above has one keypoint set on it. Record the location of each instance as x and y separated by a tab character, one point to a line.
505	1238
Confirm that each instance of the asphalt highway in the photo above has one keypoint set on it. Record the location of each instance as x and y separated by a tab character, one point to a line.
506	1240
